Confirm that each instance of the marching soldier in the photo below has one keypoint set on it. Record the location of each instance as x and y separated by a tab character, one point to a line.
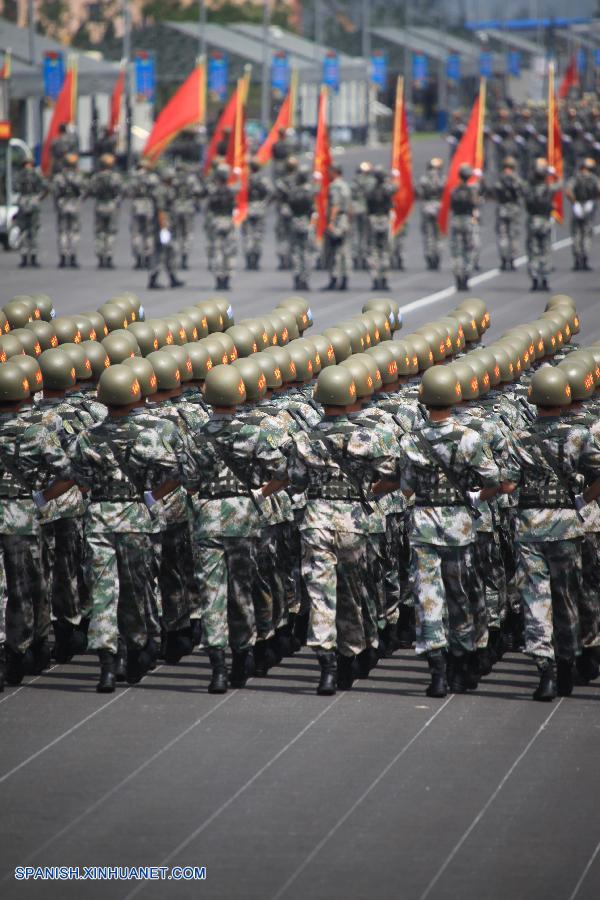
360	223
253	229
106	186
429	192
508	192
142	188
301	203
68	190
164	223
220	206
187	194
464	210
379	206
583	191
338	229
280	153
31	188
539	197
283	185
61	147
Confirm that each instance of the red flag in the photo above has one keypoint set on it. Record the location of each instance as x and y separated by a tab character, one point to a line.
401	163
115	102
226	120
322	164
185	108
284	120
64	114
555	155
469	150
570	79
240	154
5	71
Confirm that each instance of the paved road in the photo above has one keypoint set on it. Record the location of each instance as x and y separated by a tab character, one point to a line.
380	792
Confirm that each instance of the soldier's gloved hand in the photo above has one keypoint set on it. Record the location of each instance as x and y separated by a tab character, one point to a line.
578	210
588	207
39	499
165	236
580	502
474	497
149	499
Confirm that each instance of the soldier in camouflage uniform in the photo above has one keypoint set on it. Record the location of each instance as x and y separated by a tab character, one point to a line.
379	199
339	214
188	192
283	213
359	188
300	198
253	228
220	206
429	192
141	189
464	209
539	196
508	193
165	251
106	187
583	191
61	147
280	153
31	188
68	189
441	461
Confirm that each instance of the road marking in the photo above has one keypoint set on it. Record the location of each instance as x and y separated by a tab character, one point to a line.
197	831
585	871
487	805
27	683
318	847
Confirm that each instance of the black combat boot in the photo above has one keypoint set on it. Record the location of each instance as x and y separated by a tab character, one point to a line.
585	264
109	262
301	628
587	665
175	281
2	667
283	640
218	681
101	263
534	285
343	285
17	665
260	659
33	261
345	672
332	284
544	285
42	656
438	686
106	684
241	668
496	645
405	628
73	261
384	284
576	264
375	285
546	689
457	674
121	661
472	670
63	632
564	677
484	660
139	660
328	663
196	629
138	263
367	660
178	644
62	264
23	263
79	638
153	284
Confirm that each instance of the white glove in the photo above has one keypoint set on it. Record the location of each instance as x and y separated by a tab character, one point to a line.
551	170
149	499
165	236
38	499
578	210
588	207
474	497
580	502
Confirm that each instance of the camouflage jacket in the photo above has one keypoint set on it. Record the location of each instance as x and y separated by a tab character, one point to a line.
375	417
278	507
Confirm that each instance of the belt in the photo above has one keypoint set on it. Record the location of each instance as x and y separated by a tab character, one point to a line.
445	503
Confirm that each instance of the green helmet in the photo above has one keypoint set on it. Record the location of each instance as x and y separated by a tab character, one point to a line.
45	306
118	346
288	316
336	387
79	358
440	387
143	371
436	340
561	321
226	342
365	329
14	384
226	310
184	362
311	348
270	369
455	332
214	319
531	339
30	368
198	319
295	309
84	326
224	386
478	310
98	357
166	369
361	375
114	317
370	329
66	330
125	305
29	342
118	386
18	313
469	325
58	370
324	348
189	326
421	349
254	378
386	362
390	309
4	323
200	359
10	346
404	361
467	377
382	321
98	324
560	300
243	339
44	333
261	335
29	301
504	363
340	342
550	387
587	357
163	333
145	336
218	354
303	307
354	333
285	363
546	334
302	359
283	335
267	328
481	370
581	378
490	363
371	363
177	330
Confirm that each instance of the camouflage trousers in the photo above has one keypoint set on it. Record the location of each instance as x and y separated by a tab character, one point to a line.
448	598
549	580
163	257
301	249
462	246
508	232
334	567
374	595
360	240
431	238
224	250
397	248
582	232
68	232
338	243
379	246
283	237
397	562
62	566
184	229
227	576
253	235
29	224
588	601
539	233
106	225
121	574
270	601
175	575
490	566
142	236
27	615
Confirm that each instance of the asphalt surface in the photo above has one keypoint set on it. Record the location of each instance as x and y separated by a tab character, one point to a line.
376	793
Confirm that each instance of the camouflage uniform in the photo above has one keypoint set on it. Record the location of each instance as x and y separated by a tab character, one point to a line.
106	186
220	206
359	187
187	191
463	205
583	190
31	187
253	228
68	188
283	218
142	188
60	146
339	213
165	255
379	205
429	192
538	203
508	192
301	202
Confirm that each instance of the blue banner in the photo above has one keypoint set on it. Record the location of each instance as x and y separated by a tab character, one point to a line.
420	69
453	67
280	73
145	75
218	75
597	57
331	70
581	60
379	69
485	64
54	73
513	63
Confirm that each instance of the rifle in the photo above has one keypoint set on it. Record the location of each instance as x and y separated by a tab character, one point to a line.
430	453
235	469
560	475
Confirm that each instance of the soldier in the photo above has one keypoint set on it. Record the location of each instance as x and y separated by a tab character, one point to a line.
223	144
539	196
280	153
379	200
121	462
443	461
61	146
142	187
164	223
283	186
555	457
508	193
253	228
463	206
34	470
187	195
300	199
339	213
31	188
429	192
454	136
220	206
360	235
583	191
68	189
106	186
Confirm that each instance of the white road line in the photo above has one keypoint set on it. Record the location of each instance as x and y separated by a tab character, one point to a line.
585	871
197	831
121	784
318	847
487	805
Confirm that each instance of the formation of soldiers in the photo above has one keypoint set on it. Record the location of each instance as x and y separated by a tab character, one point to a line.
192	481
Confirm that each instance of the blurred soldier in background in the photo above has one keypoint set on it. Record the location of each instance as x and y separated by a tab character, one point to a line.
429	192
164	223
539	197
220	205
253	229
463	207
141	188
301	202
68	189
379	204
583	191
283	186
338	229
106	186
187	194
360	222
31	188
508	192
